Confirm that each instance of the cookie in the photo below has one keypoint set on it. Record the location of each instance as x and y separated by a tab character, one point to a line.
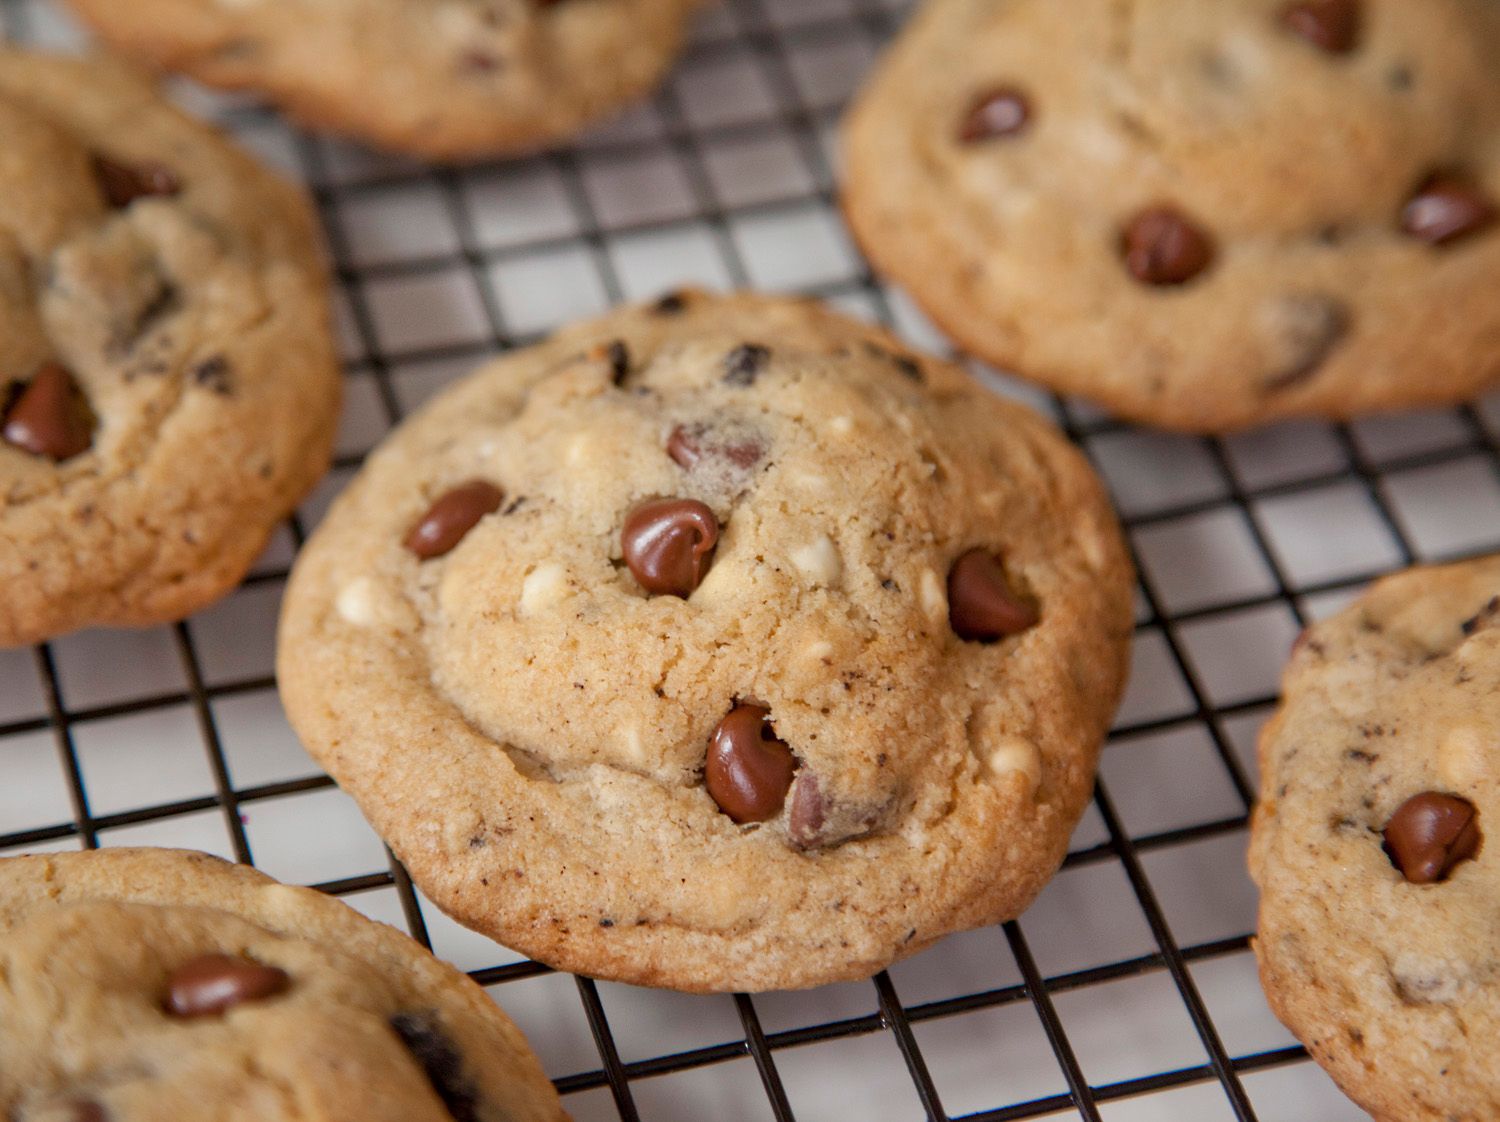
441	79
147	984
720	644
1379	931
1200	216
168	382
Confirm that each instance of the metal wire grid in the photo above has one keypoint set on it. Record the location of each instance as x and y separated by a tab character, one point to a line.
761	28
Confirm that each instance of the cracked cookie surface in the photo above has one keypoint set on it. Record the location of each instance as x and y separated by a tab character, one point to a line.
144	984
168	385
441	79
641	646
1201	216
1379	935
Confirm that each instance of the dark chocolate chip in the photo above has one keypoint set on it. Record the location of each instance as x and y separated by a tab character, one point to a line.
1329	25
122	184
749	771
1431	833
451	517
744	364
434	1050
981	605
618	356
1003	111
1445	208
213	374
1309	326
50	416
1162	247
212	983
1482	618
673	303
809	813
689	445
668	544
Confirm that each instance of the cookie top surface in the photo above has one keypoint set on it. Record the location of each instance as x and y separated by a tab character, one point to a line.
1373	841
1203	216
442	79
168	384
778	766
147	984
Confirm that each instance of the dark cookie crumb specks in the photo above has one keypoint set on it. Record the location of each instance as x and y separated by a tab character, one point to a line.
214	374
434	1050
744	364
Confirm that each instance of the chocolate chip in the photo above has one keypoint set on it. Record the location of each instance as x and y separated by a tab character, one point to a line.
619	362
1483	618
122	184
1308	327
1329	25
981	605
689	445
668	544
672	304
809	813
1003	111
213	374
1431	833
86	1110
744	364
1445	208
749	771
440	1061
451	517
50	417
212	983
1162	247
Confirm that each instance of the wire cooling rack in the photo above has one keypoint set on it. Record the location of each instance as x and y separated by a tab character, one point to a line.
1128	991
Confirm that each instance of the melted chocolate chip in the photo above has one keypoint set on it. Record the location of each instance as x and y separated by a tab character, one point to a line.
212	983
617	354
809	813
1431	833
1309	327
689	445
122	184
49	417
668	544
451	517
749	771
1000	112
672	304
1162	247
981	605
440	1061
744	364
1444	209
1329	25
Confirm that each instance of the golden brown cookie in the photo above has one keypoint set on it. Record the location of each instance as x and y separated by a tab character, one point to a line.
168	382
148	984
720	643
442	79
1202	216
1379	921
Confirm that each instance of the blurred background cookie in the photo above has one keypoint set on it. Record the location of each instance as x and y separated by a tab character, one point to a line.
1202	216
168	382
441	79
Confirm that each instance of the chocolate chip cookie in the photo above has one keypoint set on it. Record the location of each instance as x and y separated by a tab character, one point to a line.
721	643
1202	216
168	383
151	984
441	79
1379	933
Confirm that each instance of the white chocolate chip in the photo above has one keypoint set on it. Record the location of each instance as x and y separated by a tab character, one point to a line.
1463	757
544	587
841	425
934	596
356	602
1013	754
820	561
